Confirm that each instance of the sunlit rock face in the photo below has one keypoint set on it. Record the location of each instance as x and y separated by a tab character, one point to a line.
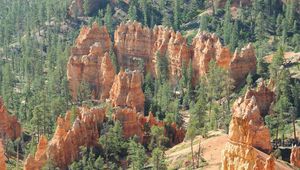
64	147
9	125
295	157
90	63
207	47
127	91
249	139
2	157
242	63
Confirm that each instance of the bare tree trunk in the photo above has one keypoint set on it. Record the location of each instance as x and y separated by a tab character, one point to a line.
192	154
199	154
294	126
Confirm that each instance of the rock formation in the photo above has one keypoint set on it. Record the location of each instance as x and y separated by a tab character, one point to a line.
64	147
207	47
135	45
127	91
89	62
130	124
9	125
295	157
242	64
2	157
76	9
249	139
38	161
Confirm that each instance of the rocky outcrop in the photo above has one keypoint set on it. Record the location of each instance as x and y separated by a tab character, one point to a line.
248	136
64	147
135	45
131	126
207	47
242	64
127	91
38	161
89	62
9	125
76	9
295	157
2	157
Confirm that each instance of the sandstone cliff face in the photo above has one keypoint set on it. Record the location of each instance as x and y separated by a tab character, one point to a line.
2	157
9	125
295	157
135	44
38	161
127	91
130	124
248	136
207	47
89	62
242	64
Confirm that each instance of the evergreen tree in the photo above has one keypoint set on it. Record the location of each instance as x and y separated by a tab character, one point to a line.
132	12
108	18
136	155
158	159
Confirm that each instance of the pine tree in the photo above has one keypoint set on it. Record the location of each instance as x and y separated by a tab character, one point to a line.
234	38
158	159
132	12
204	23
136	155
227	25
108	18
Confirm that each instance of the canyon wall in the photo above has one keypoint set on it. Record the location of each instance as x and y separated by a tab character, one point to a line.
38	161
249	139
9	125
2	157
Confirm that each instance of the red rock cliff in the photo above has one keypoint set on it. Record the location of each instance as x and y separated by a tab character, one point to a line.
9	125
127	91
248	136
2	157
89	62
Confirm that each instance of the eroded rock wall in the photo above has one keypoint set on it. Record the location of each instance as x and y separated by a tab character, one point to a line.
64	147
9	125
90	63
135	44
126	91
249	139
